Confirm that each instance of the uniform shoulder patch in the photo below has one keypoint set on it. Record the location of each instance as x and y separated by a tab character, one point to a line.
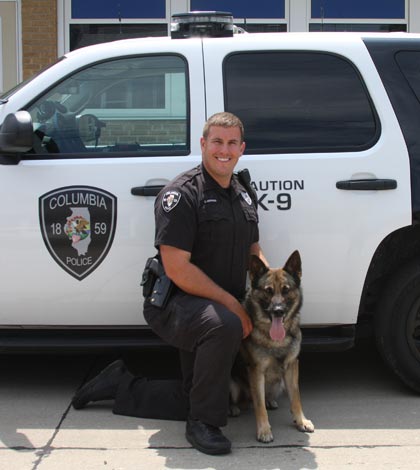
170	200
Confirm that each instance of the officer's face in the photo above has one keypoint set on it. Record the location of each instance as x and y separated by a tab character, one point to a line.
221	151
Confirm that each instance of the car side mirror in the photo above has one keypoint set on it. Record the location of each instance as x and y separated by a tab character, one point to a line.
16	133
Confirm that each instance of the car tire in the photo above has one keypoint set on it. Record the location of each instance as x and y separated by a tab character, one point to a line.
397	324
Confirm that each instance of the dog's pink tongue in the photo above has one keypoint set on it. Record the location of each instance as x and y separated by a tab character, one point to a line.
277	331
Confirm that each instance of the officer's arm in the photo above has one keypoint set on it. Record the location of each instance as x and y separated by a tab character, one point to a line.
192	280
256	250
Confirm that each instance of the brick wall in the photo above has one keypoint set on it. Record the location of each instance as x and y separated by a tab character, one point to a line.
39	35
143	132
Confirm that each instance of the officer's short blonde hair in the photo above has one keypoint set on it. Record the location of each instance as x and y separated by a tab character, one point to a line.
223	119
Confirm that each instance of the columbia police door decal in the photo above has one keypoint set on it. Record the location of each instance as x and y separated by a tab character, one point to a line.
78	227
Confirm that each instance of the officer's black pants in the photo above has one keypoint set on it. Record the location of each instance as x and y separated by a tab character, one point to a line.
208	336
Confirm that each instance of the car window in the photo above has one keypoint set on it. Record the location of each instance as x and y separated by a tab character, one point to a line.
409	63
132	106
299	102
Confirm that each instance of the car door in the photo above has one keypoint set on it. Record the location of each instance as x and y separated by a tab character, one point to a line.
326	157
77	211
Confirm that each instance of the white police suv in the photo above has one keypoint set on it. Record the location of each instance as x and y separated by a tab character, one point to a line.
333	148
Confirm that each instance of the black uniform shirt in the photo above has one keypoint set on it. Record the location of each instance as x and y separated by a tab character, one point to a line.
216	225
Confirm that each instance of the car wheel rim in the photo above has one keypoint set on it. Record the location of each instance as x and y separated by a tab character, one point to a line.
413	329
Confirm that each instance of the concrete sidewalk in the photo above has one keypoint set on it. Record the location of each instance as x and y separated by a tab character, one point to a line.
363	417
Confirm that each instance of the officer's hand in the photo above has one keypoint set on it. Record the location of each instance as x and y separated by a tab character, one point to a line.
247	326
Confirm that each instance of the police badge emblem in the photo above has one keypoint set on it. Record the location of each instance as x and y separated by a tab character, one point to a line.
170	200
78	226
247	198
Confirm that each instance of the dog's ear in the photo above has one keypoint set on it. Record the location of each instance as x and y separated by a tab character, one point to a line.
256	269
293	266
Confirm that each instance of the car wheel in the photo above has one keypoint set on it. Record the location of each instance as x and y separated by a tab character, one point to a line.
397	324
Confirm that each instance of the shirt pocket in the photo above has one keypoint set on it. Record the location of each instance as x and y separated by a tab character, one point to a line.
214	224
250	213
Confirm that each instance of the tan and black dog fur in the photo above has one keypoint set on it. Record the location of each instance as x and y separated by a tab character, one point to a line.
270	352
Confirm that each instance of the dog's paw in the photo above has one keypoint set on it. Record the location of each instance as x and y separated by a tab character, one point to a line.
271	405
265	435
305	426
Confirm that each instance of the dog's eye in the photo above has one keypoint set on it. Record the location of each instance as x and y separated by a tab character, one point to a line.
285	290
269	290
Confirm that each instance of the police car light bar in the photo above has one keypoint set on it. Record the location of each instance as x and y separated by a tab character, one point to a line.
215	24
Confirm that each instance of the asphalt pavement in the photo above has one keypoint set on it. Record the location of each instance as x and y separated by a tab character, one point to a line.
363	416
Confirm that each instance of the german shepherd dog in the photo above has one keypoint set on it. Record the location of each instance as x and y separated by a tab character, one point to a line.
270	352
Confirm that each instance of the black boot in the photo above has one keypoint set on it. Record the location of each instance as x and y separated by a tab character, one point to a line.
102	387
207	438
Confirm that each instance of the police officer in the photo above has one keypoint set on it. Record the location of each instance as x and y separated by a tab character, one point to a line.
206	229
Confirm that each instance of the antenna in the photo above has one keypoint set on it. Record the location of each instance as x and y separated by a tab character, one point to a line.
119	15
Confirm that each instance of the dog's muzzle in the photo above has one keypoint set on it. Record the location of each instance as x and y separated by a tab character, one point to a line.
277	310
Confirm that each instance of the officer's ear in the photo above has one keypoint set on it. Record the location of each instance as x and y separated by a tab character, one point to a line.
243	145
202	143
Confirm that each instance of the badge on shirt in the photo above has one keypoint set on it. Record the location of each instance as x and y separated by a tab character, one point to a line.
170	200
247	198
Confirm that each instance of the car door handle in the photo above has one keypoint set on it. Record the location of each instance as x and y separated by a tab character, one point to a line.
146	190
367	185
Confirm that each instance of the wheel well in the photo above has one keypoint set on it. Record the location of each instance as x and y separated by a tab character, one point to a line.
395	250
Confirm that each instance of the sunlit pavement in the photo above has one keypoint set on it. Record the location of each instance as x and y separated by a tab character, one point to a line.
363	417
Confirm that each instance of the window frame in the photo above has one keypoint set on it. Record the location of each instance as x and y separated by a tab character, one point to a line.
145	151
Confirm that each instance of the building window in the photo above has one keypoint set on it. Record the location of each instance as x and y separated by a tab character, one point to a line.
87	34
244	9
361	9
357	27
370	15
263	27
98	21
86	9
264	16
